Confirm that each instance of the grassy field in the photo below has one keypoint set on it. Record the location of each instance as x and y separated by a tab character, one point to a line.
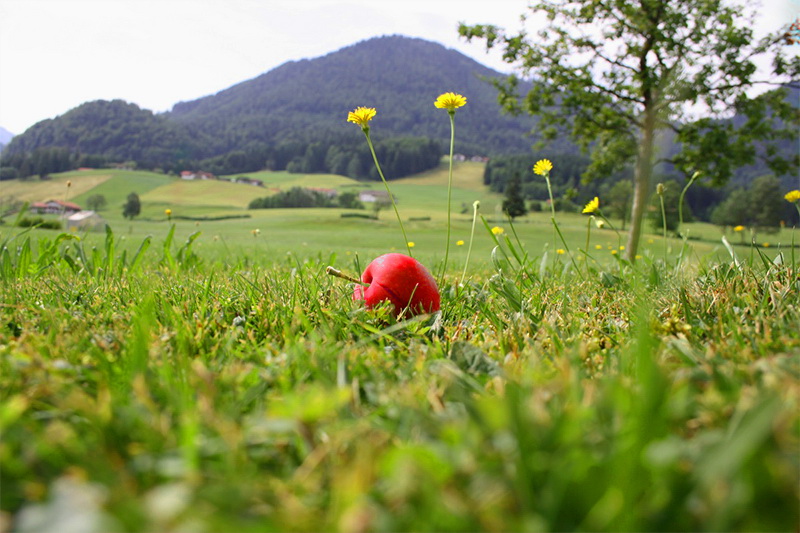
324	231
154	378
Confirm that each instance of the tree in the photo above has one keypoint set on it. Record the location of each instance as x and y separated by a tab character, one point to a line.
8	173
349	200
132	206
96	202
514	202
378	206
615	73
618	199
734	210
760	206
766	203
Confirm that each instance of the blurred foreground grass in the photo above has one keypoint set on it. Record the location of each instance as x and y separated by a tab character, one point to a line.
154	389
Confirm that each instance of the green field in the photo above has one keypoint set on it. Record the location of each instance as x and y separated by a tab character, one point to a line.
197	375
324	231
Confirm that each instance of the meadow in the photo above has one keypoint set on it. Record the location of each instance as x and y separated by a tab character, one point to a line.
176	374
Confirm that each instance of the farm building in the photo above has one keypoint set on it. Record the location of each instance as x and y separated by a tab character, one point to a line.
374	196
85	221
248	181
54	207
191	175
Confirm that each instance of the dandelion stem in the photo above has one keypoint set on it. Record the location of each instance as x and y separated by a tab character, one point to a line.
556	229
588	231
388	191
552	214
475	207
664	225
610	225
452	115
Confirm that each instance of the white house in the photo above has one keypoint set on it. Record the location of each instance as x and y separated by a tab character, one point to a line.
85	221
200	175
374	196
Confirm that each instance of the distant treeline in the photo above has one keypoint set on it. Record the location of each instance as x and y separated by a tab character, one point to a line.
757	203
333	154
105	134
298	197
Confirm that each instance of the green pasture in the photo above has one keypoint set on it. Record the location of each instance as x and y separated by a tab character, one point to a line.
170	374
55	188
221	384
262	235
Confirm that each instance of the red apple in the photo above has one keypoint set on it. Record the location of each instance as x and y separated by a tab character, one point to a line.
402	280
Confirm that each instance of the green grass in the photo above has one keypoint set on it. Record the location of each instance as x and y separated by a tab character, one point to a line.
155	379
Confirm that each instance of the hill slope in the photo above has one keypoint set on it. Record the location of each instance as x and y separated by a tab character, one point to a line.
276	116
116	130
399	76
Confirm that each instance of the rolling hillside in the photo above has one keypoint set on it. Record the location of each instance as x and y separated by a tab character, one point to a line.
294	114
420	195
399	76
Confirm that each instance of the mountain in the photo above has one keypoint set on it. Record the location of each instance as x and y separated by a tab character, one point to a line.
116	130
399	76
296	115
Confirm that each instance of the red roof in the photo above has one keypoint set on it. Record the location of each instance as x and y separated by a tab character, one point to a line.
65	205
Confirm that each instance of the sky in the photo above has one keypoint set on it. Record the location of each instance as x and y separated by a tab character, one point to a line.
57	54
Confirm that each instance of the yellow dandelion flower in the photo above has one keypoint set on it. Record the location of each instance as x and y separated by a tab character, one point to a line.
738	228
450	101
497	230
361	116
542	167
793	196
592	206
411	244
766	245
459	243
168	212
598	246
613	252
560	251
650	241
622	247
638	256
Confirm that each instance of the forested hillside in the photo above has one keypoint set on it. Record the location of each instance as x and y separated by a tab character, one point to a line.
101	131
293	117
399	76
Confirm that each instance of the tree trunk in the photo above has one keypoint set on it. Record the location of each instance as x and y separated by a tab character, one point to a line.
641	182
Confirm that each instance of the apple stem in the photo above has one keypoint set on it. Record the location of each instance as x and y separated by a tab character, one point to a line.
339	274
